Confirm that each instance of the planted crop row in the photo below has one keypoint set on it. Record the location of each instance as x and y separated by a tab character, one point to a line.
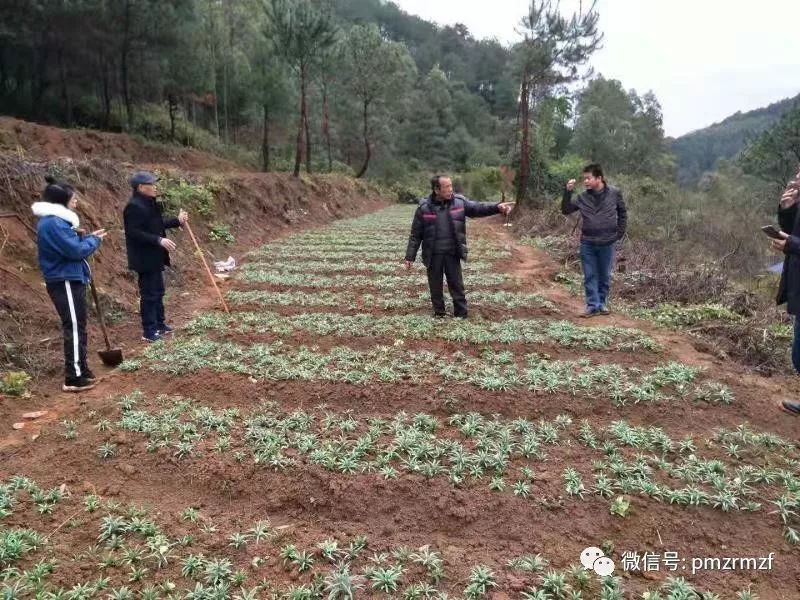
528	331
415	279
337	266
494	371
472	449
133	557
346	299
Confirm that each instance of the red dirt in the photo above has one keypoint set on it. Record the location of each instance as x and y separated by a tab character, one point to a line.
469	525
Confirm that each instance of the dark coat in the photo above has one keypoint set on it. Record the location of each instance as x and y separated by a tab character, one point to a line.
144	227
789	288
604	215
423	228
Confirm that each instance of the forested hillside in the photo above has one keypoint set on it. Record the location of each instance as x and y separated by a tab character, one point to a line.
217	74
700	151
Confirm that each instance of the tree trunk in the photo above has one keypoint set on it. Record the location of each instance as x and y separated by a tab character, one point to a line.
265	141
298	157
173	109
524	159
62	74
368	151
225	99
124	57
106	93
39	84
308	134
326	125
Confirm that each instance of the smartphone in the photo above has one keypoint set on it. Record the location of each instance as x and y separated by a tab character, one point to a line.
772	232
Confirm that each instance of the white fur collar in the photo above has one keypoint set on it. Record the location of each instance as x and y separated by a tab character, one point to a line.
50	209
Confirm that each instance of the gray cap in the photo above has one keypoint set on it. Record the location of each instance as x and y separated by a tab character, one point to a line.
142	178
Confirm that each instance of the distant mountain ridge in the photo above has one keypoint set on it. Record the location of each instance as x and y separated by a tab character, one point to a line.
700	151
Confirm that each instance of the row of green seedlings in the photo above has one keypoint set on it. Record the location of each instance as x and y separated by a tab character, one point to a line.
216	578
385	255
759	460
337	266
492	371
410	279
341	243
121	529
575	581
213	577
387	301
417	327
385	243
490	448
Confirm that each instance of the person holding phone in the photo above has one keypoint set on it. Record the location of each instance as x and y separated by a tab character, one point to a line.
789	288
62	253
604	219
148	251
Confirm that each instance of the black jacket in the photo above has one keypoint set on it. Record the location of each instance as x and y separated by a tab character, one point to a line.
423	228
789	288
604	215
144	227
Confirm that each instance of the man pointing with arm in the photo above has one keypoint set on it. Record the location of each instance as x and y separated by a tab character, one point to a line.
439	226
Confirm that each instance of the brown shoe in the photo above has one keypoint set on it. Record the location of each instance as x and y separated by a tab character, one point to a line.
588	314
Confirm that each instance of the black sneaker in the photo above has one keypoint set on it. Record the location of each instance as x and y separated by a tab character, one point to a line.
439	315
151	337
791	407
87	374
165	330
77	384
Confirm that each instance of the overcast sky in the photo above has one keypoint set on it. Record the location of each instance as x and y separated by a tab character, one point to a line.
704	59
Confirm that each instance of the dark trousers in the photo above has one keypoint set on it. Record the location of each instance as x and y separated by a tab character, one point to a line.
69	298
151	301
596	261
447	266
796	345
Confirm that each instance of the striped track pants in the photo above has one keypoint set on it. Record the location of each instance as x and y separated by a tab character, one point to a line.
69	298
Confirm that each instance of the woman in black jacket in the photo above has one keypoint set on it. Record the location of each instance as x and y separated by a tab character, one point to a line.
789	289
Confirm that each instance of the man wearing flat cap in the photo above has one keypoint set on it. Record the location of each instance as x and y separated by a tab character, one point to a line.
148	250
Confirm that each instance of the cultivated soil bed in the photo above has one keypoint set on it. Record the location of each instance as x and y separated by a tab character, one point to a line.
257	462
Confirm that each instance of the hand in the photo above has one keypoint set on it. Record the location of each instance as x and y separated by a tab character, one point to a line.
183	217
506	207
407	264
571	185
780	244
100	233
789	198
167	244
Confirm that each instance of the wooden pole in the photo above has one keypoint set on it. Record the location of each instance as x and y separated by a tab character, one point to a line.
208	270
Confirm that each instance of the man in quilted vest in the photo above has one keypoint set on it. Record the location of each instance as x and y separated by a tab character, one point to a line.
439	226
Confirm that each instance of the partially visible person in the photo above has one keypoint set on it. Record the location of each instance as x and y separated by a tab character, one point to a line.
148	251
789	288
604	218
62	258
440	227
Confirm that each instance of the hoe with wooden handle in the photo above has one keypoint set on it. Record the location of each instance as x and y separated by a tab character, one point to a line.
205	264
111	357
